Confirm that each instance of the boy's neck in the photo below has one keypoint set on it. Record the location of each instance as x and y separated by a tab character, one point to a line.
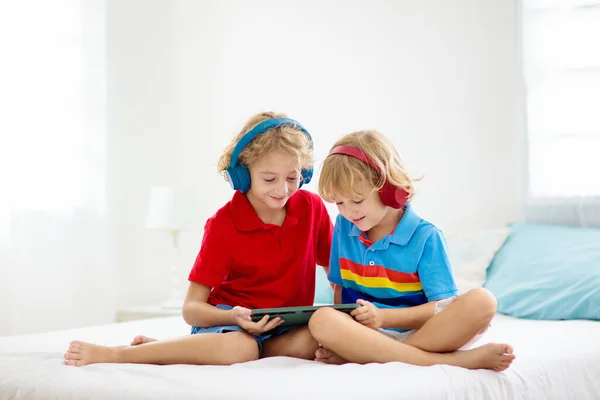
387	224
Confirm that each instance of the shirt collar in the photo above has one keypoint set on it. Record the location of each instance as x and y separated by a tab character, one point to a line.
404	230
243	214
354	231
246	219
406	227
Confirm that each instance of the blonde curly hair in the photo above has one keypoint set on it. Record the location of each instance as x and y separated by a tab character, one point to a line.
343	176
286	138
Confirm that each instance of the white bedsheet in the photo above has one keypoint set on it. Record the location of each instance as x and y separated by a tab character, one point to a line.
555	360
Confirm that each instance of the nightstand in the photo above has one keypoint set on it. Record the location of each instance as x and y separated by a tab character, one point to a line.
145	312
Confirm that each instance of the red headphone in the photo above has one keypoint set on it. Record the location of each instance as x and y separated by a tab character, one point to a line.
389	194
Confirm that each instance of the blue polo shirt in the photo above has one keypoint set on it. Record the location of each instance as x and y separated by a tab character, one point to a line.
406	268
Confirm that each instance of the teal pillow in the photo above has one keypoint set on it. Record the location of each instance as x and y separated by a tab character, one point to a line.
323	292
548	272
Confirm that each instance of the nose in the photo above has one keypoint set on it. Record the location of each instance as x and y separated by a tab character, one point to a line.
353	211
282	189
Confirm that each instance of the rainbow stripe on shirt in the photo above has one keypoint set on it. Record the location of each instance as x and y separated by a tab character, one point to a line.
384	286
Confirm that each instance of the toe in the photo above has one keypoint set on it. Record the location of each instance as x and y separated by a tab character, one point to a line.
502	365
73	356
75	346
72	363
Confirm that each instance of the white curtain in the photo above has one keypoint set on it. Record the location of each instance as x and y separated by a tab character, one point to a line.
55	250
561	54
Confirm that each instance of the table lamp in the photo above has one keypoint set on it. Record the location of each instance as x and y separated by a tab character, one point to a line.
171	209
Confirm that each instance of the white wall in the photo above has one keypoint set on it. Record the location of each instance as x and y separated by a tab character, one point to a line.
440	78
142	145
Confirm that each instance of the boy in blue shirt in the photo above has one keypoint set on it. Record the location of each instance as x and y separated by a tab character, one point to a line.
396	266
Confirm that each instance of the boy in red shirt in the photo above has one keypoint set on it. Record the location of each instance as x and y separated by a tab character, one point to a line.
258	251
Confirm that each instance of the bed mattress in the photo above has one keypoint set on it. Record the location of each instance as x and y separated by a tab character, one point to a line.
555	360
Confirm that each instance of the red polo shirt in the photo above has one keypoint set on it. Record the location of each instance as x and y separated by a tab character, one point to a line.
252	264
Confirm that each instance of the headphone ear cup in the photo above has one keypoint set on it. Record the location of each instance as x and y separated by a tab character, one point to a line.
239	178
232	178
393	196
306	176
386	195
243	176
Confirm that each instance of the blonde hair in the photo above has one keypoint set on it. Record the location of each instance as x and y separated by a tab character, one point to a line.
286	138
343	176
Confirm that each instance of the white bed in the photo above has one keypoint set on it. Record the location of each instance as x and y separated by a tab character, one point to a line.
555	360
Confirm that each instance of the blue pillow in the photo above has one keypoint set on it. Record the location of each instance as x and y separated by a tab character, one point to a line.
323	292
548	272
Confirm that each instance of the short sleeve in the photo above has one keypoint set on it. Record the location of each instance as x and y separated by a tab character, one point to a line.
334	274
434	269
324	235
212	263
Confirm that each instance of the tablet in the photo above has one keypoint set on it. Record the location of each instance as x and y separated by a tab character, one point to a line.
297	315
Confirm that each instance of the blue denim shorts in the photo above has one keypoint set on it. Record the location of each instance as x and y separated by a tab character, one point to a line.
235	328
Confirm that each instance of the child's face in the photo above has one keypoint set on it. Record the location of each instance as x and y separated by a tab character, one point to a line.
365	211
275	177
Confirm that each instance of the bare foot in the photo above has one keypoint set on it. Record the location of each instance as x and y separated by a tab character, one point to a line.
82	353
328	357
141	339
494	356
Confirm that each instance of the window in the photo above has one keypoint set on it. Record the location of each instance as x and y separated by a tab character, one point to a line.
561	55
51	130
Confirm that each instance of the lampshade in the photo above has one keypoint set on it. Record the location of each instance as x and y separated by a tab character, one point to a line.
172	208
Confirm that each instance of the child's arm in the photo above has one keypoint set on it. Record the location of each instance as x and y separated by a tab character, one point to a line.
197	312
436	278
324	237
333	273
337	294
408	318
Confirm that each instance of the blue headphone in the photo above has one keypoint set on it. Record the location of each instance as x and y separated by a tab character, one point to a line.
238	174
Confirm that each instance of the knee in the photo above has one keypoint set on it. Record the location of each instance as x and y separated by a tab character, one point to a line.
320	323
239	347
481	303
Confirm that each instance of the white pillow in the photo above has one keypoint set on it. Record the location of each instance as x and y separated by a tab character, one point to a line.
471	253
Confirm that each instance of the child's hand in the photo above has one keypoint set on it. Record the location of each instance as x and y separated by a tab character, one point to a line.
368	314
242	318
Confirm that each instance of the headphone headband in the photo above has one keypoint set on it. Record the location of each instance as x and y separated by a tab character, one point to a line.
238	174
259	129
356	153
